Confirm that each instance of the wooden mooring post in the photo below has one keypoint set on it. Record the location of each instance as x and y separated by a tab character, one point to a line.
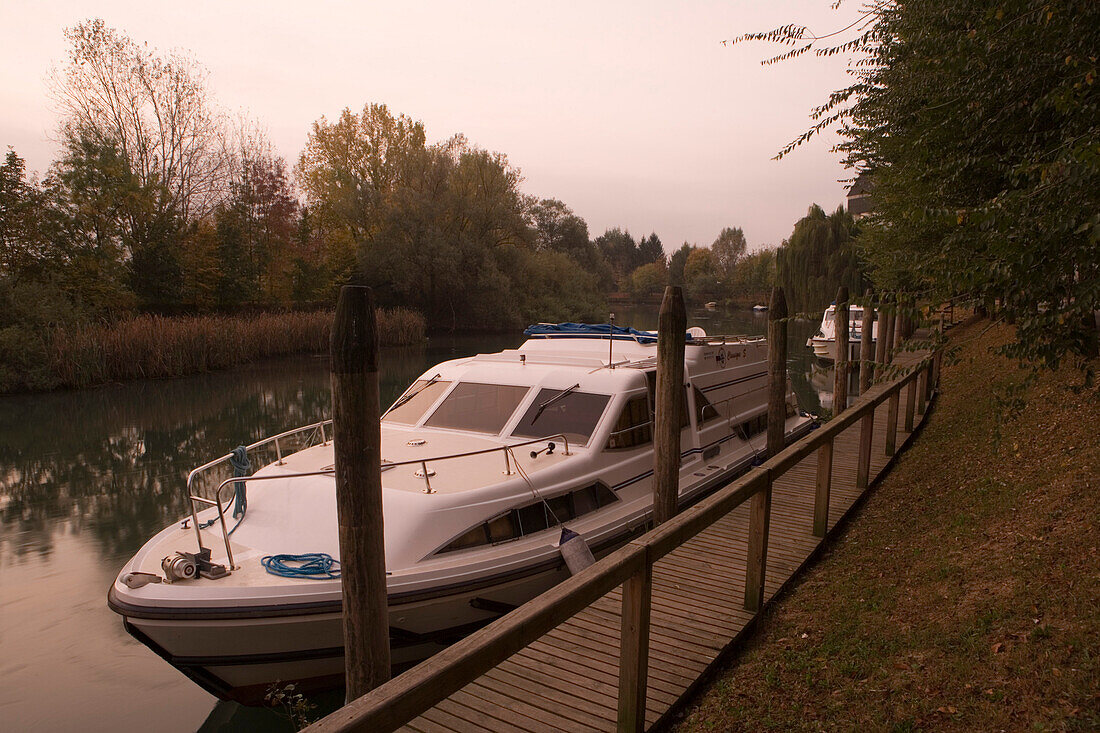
357	453
840	329
866	345
671	330
760	505
890	322
883	316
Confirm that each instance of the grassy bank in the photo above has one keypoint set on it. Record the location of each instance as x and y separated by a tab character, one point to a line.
964	595
158	346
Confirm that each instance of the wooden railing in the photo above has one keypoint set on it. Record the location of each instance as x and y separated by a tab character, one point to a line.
404	698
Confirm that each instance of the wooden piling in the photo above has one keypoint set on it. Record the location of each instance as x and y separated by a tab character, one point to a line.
891	326
671	330
777	371
883	318
863	461
866	344
357	453
840	380
899	324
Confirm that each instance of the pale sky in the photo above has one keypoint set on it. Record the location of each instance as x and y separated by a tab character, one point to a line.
632	113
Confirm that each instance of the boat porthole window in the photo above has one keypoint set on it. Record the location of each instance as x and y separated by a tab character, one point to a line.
534	517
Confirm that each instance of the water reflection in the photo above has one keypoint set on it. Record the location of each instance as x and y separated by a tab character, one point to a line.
86	477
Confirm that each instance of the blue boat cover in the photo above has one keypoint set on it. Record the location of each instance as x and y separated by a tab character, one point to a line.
591	331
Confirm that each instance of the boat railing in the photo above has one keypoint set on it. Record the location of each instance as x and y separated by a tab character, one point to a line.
278	442
511	468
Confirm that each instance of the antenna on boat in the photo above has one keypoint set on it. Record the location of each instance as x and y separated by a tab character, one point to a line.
610	339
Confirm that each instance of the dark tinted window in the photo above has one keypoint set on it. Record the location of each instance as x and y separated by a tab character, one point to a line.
483	408
634	426
573	414
535	517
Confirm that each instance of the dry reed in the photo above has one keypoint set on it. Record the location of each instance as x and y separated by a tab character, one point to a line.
157	346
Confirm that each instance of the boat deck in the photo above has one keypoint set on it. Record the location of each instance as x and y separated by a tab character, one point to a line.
568	679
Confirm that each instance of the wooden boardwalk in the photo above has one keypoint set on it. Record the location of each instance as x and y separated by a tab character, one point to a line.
568	680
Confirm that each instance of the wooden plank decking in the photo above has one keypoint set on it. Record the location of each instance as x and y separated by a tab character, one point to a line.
568	679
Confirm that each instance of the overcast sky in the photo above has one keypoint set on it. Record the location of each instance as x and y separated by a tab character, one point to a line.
632	113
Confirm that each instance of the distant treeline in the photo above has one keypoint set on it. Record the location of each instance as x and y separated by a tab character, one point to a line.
158	205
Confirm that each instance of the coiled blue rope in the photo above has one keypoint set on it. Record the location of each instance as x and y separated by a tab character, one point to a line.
311	565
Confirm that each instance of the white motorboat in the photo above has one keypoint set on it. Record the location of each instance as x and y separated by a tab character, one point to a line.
486	459
824	341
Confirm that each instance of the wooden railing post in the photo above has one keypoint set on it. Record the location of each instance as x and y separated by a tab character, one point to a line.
357	457
866	345
910	404
922	387
760	508
892	422
634	650
840	330
866	433
671	330
823	488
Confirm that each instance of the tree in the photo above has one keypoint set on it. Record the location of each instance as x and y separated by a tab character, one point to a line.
676	264
648	280
728	248
978	122
257	225
651	250
149	117
819	257
701	276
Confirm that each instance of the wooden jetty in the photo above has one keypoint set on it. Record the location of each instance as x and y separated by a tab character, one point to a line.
620	644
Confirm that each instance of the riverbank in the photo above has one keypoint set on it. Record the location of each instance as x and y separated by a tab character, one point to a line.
964	594
143	347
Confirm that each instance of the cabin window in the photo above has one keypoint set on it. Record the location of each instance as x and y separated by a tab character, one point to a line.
634	426
534	517
555	411
410	407
482	408
704	410
651	383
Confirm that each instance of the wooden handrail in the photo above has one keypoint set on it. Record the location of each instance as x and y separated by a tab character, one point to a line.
400	700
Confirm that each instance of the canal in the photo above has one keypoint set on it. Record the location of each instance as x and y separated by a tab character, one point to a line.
87	476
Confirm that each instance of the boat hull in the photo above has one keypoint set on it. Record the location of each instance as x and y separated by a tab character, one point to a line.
239	655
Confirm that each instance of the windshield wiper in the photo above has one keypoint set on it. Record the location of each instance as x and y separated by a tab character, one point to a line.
552	400
410	395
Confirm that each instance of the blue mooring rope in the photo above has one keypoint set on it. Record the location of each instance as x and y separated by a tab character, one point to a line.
311	565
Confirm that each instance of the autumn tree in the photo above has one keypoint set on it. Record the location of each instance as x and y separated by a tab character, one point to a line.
728	248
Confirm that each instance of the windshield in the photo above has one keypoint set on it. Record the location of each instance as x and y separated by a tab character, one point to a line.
483	408
573	414
410	407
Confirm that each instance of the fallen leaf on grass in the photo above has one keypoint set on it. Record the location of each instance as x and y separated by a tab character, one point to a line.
997	648
947	710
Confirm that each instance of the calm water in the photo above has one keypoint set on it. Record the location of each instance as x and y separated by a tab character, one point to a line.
86	477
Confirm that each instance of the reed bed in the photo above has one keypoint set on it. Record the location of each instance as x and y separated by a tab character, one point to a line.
154	347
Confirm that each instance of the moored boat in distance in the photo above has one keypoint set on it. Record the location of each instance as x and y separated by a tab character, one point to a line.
824	341
486	460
